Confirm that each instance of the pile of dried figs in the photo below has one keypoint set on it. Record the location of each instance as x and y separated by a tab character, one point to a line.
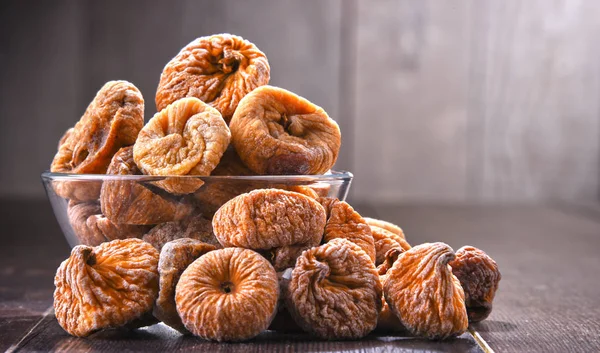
226	264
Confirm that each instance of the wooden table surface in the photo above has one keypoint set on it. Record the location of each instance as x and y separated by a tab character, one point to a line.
548	301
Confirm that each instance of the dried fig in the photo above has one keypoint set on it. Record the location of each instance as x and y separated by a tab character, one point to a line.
219	70
65	136
344	222
78	190
92	228
231	164
321	189
214	193
196	227
227	295
112	120
479	276
388	321
301	189
335	291
175	257
390	227
424	294
188	137
130	202
282	222
384	241
277	132
106	286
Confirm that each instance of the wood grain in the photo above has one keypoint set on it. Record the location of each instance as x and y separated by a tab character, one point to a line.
547	300
160	338
411	100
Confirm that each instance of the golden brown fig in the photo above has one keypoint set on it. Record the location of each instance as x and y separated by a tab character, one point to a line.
219	70
107	286
92	228
131	202
386	240
196	227
390	227
335	291
479	276
281	222
112	120
231	164
227	295
344	222
175	257
424	294
186	138
277	132
388	321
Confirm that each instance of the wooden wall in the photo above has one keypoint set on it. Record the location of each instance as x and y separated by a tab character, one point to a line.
452	101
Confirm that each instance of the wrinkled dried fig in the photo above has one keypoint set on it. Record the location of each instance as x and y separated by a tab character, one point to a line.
231	164
78	190
112	120
388	321
214	193
344	222
335	291
92	228
186	138
219	70
106	286
301	189
321	189
277	132
175	257
424	294
130	202
386	240
390	227
281	222
479	276
390	257
65	136
227	295
196	227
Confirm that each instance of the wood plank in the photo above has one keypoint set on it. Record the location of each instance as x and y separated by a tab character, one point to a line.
160	338
411	100
40	47
30	254
535	87
27	268
546	301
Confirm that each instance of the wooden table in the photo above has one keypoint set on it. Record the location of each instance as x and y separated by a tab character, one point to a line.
548	301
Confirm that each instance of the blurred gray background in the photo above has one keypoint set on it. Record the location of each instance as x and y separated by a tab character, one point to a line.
438	101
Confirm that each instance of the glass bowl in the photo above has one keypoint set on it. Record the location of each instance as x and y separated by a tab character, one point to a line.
94	208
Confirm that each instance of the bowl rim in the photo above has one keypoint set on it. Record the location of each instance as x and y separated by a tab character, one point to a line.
332	175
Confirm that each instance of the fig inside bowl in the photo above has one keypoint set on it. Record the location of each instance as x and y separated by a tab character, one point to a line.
95	208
